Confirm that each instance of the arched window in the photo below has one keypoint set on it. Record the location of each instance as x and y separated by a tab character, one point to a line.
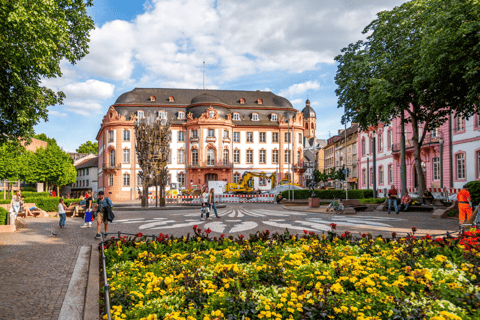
225	157
126	179
210	157
112	158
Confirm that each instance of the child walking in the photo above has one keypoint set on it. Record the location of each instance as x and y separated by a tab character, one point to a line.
205	205
61	213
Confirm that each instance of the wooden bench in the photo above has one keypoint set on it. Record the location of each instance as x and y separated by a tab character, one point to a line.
71	209
354	203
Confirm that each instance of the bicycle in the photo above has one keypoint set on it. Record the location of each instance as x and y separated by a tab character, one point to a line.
337	208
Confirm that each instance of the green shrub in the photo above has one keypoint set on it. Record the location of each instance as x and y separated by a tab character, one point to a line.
373	200
29	189
474	189
3	216
48	204
356	194
367	193
325	194
26	194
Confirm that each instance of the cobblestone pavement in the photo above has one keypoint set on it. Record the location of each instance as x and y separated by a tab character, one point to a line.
37	266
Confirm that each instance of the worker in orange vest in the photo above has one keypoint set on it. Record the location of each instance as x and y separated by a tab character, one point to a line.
464	204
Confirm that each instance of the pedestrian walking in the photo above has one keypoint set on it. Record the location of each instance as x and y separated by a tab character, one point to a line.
61	213
16	202
205	206
464	205
101	212
211	201
392	199
88	211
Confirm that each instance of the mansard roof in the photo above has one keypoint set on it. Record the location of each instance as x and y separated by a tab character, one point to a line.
188	97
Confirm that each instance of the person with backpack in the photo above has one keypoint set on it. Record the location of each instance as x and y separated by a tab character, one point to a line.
104	204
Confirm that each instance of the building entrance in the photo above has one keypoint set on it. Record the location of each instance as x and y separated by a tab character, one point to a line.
211	177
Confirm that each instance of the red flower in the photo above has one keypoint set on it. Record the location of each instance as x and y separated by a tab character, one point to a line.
414	229
139	235
305	231
241	236
199	230
364	235
215	238
394	234
208	231
222	235
195	227
333	225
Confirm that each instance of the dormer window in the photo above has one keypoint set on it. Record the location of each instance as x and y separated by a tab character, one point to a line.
171	99
236	116
254	116
259	101
140	114
162	115
152	98
274	117
242	101
181	115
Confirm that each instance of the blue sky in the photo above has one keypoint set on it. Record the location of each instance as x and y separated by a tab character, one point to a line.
286	47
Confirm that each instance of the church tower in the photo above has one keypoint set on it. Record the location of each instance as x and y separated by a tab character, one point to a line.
309	121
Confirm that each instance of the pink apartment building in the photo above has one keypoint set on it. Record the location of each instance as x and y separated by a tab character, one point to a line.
437	172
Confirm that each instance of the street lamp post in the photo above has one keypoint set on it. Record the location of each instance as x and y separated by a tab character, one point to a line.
441	163
374	166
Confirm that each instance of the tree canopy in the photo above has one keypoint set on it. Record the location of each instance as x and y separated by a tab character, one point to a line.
35	37
88	147
400	69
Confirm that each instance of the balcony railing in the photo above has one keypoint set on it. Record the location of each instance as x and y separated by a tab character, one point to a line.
429	140
208	164
111	166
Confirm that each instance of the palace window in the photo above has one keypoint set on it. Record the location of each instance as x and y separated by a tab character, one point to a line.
259	101
171	99
275	156
380	175
390	139
249	156
110	180
275	137
287	137
236	178
263	156
460	161
110	136
249	136
390	174
236	137
226	134
211	133
380	143
194	133
236	156
181	115
300	138
255	117
181	156
126	135
364	177
126	179
181	136
274	117
287	156
364	147
181	179
436	168
459	124
140	114
298	157
126	155
139	180
162	115
242	101
236	117
434	133
112	158
225	157
195	157
263	137
210	157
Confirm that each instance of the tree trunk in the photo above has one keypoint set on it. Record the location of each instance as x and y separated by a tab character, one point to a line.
145	194
162	194
417	157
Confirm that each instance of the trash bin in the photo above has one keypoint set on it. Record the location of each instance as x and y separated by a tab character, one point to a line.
313	202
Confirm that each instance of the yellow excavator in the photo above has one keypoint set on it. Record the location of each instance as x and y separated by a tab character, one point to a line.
287	182
246	182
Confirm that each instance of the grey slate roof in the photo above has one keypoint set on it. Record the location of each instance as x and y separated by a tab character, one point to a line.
187	97
308	112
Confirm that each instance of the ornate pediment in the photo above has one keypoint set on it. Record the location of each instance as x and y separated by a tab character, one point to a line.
210	114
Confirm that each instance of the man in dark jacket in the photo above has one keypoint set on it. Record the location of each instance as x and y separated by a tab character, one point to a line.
101	213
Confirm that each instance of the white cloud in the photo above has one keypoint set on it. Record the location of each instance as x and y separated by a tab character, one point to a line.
90	89
300	88
296	101
56	113
83	107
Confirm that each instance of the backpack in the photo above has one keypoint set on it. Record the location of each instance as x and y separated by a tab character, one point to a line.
108	211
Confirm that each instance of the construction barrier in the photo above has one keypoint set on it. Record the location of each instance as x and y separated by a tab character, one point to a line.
222	198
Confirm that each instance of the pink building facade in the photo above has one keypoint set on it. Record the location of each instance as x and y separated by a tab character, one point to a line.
436	147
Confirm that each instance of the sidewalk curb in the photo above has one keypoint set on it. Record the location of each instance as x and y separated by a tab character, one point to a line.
193	206
92	296
309	211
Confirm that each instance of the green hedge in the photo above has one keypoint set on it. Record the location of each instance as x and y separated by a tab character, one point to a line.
47	204
367	193
325	194
474	189
26	194
373	201
3	216
29	189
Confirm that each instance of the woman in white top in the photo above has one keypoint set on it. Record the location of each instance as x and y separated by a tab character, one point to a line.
61	213
16	202
205	204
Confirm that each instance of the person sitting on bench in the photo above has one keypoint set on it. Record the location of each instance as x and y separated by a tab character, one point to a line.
427	195
279	198
406	200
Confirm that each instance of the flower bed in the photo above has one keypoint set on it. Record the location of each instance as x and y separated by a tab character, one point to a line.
281	276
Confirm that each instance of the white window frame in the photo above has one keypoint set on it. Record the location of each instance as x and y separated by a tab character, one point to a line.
288	156
194	157
436	168
274	137
274	156
211	133
236	137
226	156
181	136
262	156
236	116
236	178
236	156
255	117
460	165
126	155
264	135
249	156
181	115
181	156
126	135
250	137
274	117
210	157
126	180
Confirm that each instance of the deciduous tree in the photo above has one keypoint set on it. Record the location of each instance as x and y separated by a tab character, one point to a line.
35	37
88	147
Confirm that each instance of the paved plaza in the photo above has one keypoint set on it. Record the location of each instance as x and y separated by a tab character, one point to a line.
38	261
